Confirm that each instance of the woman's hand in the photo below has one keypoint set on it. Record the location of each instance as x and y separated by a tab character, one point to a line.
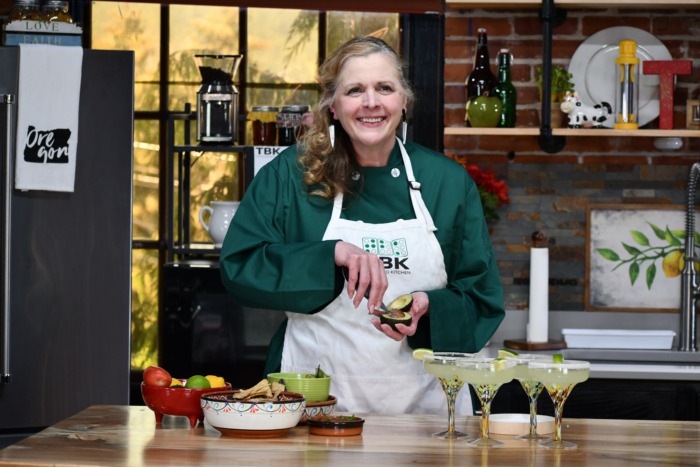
419	307
365	271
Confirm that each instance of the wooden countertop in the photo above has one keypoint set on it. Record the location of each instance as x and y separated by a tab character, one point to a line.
128	436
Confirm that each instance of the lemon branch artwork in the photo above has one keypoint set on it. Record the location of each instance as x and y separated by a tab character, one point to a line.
640	254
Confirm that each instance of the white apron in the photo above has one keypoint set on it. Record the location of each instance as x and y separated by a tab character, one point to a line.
372	373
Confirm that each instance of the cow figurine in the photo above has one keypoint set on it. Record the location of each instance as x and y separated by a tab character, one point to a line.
582	115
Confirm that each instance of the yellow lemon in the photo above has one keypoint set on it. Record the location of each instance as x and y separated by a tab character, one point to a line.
176	383
673	263
216	381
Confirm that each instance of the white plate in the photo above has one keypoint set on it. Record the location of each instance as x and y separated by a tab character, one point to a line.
593	69
519	424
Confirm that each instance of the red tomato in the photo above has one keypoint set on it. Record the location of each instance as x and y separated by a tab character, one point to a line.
156	376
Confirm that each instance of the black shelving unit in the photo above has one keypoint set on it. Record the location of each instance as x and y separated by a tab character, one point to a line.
178	185
203	330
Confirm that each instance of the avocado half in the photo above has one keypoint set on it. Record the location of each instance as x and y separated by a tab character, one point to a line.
398	312
395	317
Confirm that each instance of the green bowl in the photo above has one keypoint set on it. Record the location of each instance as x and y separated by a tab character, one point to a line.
314	389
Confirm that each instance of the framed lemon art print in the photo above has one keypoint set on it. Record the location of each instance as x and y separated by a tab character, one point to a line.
634	257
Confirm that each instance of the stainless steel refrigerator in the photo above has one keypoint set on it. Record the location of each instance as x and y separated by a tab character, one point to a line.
66	290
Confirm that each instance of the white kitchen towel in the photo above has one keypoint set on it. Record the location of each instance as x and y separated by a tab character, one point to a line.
48	101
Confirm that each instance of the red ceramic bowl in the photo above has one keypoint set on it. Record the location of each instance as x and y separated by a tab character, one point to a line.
176	401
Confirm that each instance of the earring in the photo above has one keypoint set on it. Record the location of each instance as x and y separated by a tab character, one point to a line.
404	126
331	132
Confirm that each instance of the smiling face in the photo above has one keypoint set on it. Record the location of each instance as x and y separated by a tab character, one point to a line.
368	102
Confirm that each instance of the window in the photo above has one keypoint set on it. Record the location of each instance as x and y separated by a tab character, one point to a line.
282	51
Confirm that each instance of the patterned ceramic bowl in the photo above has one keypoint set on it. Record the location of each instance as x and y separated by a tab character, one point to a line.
252	419
319	408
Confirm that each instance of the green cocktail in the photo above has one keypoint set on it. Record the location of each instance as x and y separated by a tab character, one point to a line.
443	365
486	376
559	379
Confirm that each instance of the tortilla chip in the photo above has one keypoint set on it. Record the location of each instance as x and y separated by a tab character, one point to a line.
260	389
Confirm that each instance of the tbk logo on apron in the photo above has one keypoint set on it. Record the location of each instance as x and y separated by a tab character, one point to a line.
371	373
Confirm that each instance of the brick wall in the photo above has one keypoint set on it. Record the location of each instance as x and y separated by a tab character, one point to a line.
550	192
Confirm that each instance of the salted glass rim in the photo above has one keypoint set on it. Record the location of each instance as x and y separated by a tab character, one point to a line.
447	357
568	364
528	357
482	363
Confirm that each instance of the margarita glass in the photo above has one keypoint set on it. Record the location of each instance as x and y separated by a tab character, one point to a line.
532	388
443	365
486	376
559	379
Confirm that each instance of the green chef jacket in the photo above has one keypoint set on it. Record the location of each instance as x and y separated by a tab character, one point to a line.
274	257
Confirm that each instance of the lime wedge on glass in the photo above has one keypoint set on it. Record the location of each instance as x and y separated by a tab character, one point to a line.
557	358
419	354
504	353
499	363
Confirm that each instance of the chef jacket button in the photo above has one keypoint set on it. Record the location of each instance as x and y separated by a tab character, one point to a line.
395	172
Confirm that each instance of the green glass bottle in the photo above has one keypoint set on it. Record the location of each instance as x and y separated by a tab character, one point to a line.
505	90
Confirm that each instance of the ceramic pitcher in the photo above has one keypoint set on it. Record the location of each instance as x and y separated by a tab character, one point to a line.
220	215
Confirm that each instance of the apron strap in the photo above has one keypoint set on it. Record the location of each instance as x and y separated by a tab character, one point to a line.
337	206
419	208
421	211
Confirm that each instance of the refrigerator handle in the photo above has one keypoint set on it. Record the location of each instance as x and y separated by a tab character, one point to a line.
7	100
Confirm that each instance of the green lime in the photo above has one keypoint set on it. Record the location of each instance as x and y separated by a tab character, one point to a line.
504	353
197	382
557	358
419	354
499	363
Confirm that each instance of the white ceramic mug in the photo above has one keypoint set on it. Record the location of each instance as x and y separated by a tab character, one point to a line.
220	215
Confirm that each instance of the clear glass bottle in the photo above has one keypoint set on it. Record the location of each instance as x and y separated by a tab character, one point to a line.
56	11
481	81
24	10
505	90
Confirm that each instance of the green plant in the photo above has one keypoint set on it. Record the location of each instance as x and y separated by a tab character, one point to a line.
560	84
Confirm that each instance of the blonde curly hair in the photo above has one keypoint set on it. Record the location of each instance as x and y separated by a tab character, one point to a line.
328	169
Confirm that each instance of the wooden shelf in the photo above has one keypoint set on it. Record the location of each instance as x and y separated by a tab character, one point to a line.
465	131
681	133
549	142
462	131
571	4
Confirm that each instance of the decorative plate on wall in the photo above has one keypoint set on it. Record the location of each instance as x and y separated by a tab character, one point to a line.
593	69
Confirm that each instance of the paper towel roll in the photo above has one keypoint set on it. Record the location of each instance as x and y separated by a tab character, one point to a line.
538	318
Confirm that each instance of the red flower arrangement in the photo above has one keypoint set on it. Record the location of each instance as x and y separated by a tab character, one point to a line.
493	193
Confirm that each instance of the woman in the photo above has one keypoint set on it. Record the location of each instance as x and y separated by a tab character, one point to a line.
398	217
